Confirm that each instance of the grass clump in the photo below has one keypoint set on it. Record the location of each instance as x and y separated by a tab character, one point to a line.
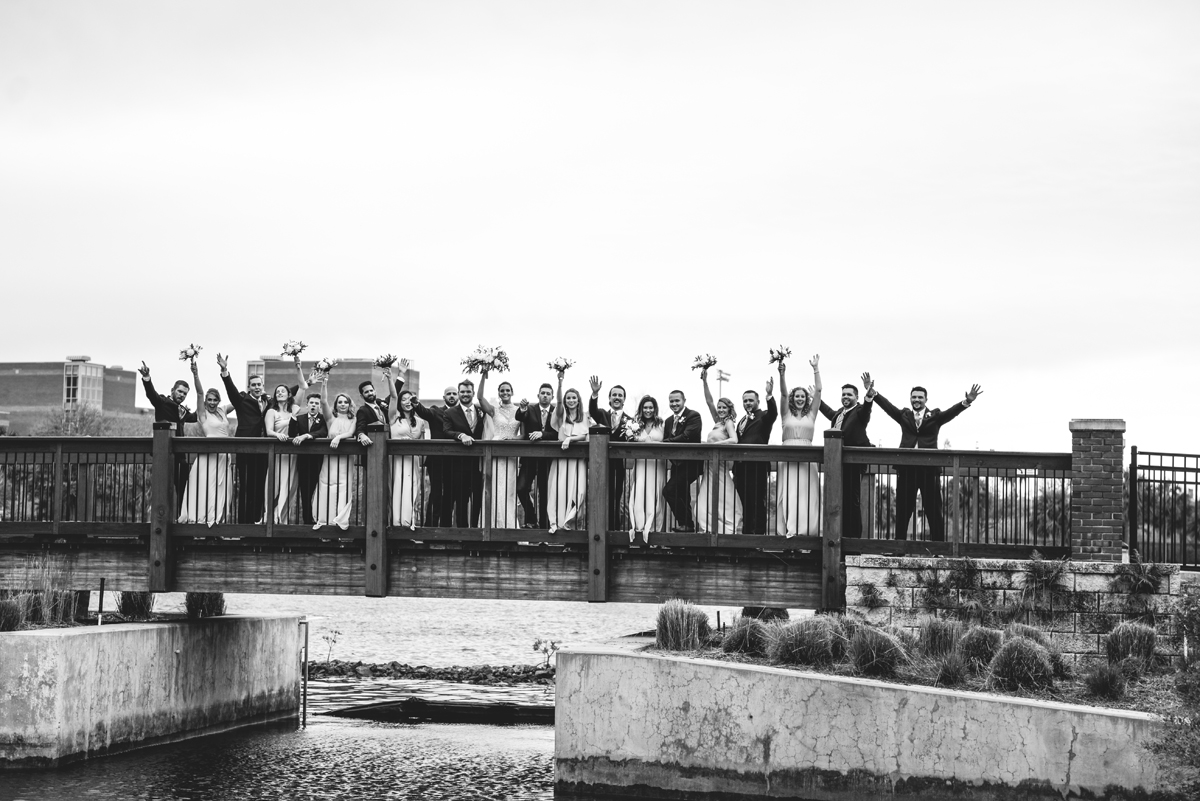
938	637
979	645
875	652
1187	626
12	613
906	637
1021	664
1106	681
814	640
1131	640
681	626
135	605
204	604
1014	630
951	669
747	635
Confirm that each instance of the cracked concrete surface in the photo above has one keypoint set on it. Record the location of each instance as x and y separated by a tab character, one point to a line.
752	725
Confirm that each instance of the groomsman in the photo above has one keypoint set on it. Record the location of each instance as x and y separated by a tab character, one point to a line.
439	510
250	408
683	425
170	409
919	428
373	409
615	419
852	420
750	478
303	428
539	427
464	422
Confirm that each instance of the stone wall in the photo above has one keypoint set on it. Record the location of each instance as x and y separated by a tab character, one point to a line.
657	727
902	591
71	693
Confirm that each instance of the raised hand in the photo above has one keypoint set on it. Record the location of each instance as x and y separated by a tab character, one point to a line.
974	393
387	374
703	373
524	404
145	371
223	363
770	386
402	367
195	369
867	382
561	375
815	361
782	368
595	383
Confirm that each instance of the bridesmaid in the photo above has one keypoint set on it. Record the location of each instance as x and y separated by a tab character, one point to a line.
333	501
206	499
725	416
567	485
406	469
281	410
502	424
646	512
798	484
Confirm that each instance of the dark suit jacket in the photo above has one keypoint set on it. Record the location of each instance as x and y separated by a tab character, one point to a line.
531	418
927	435
456	424
605	418
688	432
758	430
299	425
167	410
854	427
436	417
365	415
250	413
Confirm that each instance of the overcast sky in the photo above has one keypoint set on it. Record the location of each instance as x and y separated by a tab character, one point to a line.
1005	193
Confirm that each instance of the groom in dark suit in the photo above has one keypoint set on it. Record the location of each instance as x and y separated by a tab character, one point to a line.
538	423
303	428
251	409
852	420
440	503
170	409
683	425
464	422
750	478
919	428
615	419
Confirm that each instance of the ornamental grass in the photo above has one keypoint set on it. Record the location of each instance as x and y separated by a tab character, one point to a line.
681	626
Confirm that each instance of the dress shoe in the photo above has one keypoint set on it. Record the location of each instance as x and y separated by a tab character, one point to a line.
684	529
529	525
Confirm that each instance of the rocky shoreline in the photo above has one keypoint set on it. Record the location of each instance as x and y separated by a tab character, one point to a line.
470	674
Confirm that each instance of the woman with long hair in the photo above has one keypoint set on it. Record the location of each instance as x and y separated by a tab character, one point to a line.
333	501
406	469
566	487
502	423
798	484
206	499
646	512
729	505
282	408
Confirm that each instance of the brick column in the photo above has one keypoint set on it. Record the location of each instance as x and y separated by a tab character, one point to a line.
1097	481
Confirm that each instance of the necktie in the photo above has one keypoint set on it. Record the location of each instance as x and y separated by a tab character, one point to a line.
182	412
837	424
918	419
745	422
470	410
616	418
312	422
544	413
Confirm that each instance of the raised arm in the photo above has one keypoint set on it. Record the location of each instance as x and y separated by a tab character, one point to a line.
488	408
815	394
201	412
708	398
559	412
230	389
301	381
889	408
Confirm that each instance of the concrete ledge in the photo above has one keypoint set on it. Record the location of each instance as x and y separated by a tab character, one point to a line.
1097	424
71	693
644	724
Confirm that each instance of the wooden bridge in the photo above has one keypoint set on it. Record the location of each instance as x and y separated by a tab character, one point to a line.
104	509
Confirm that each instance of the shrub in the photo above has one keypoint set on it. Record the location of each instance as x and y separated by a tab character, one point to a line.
1021	664
12	613
747	635
135	605
979	645
812	641
952	669
204	604
1106	681
1187	625
907	639
938	636
681	626
875	652
1014	630
1187	684
1131	640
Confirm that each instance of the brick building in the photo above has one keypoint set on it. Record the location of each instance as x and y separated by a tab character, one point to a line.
33	392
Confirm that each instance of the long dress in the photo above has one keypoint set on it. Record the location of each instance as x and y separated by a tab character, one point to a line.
333	501
730	517
647	510
797	484
504	469
406	475
566	486
206	499
287	479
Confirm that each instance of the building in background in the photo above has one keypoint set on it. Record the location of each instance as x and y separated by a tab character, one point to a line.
345	376
33	394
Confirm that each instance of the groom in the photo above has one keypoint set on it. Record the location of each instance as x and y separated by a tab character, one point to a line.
251	409
615	418
683	425
750	478
852	420
464	422
170	409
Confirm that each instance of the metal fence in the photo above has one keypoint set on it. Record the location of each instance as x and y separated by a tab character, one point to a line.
1163	509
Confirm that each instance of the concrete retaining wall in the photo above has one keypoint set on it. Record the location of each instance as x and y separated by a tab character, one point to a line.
629	723
76	692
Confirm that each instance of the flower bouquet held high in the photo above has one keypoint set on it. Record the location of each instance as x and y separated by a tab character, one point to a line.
779	355
386	361
491	360
293	348
190	353
560	365
320	371
704	362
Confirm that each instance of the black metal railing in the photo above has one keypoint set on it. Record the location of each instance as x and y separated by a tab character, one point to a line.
1163	513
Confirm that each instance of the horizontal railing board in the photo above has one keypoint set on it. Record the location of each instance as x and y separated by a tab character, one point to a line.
966	459
855	546
726	453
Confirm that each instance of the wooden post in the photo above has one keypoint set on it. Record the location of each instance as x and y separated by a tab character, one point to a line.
485	494
831	531
955	514
269	501
376	512
597	514
715	485
162	508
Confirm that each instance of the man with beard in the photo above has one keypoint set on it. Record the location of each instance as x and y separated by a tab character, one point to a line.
538	422
439	507
750	478
303	428
250	408
170	409
852	420
464	422
683	425
373	409
615	419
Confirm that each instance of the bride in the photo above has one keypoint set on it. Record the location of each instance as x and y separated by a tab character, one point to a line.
502	423
206	499
725	416
798	484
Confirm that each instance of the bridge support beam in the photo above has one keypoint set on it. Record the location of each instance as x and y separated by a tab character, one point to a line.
162	511
597	514
377	506
833	595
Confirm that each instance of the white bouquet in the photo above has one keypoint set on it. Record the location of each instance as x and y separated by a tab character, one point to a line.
190	352
385	361
631	430
293	347
494	360
779	355
560	365
704	362
320	371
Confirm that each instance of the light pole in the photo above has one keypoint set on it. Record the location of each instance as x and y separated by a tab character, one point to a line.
722	377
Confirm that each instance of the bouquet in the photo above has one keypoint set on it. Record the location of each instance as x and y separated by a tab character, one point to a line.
385	362
560	365
190	352
320	371
704	362
631	429
293	347
779	355
494	360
